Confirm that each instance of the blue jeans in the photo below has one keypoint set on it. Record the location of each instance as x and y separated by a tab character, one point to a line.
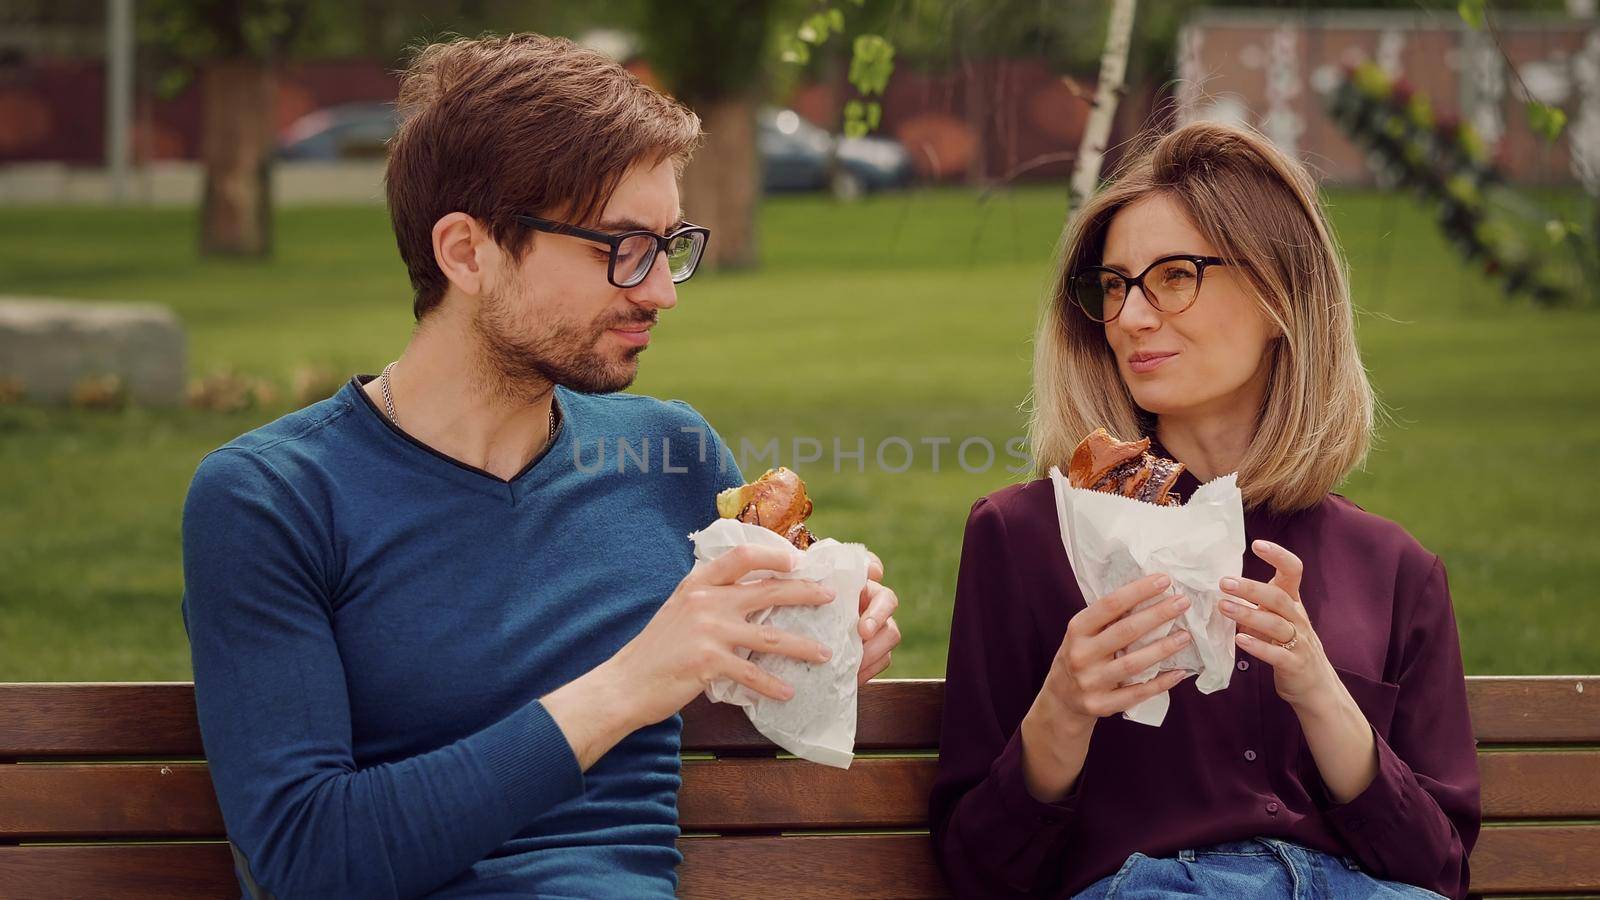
1262	867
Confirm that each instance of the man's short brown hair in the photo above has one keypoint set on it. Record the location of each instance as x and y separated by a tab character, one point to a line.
497	126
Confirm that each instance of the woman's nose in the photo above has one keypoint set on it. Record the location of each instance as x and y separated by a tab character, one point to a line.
1138	313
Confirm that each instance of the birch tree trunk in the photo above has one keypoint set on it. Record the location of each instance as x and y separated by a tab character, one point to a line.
1113	72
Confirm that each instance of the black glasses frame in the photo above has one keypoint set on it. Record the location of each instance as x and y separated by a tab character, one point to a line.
1201	263
614	241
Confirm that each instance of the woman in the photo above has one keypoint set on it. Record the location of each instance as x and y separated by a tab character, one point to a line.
1202	302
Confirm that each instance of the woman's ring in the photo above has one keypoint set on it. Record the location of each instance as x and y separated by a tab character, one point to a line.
1291	642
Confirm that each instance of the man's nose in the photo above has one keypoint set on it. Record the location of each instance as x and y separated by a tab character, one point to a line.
656	290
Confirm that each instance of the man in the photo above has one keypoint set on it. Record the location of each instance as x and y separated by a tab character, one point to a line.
437	648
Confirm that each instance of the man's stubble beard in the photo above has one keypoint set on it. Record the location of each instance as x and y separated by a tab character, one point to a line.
518	363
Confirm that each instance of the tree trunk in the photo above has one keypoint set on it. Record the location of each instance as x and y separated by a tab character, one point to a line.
236	148
1113	69
722	183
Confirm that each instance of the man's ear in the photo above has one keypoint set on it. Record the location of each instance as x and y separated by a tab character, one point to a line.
465	253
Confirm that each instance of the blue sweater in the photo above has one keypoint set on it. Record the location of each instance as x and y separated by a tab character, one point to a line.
371	624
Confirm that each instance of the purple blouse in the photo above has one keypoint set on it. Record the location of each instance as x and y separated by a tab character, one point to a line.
1228	766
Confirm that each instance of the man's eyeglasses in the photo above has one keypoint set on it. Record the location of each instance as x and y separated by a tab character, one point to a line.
633	253
1101	292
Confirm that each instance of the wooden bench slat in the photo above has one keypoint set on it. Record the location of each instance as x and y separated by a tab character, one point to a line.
47	720
127	872
135	799
729	795
1507	860
775	795
904	714
791	795
810	867
110	800
1534	859
901	714
1535	710
66	719
126	800
1559	784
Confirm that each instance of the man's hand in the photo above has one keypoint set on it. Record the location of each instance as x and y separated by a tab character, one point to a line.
879	632
690	643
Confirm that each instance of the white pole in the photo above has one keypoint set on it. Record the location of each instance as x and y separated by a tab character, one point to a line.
119	94
1113	69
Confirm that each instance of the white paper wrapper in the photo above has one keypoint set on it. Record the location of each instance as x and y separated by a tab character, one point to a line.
1113	540
819	722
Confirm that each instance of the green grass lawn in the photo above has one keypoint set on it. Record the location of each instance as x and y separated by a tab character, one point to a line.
903	316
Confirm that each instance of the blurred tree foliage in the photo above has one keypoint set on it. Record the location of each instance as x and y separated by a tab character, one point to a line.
939	35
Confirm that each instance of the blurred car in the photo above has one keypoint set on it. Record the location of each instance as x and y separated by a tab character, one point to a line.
795	154
798	156
346	131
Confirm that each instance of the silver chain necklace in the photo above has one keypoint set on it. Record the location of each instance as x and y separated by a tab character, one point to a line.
388	401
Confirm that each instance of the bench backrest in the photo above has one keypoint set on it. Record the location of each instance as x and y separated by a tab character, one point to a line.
104	791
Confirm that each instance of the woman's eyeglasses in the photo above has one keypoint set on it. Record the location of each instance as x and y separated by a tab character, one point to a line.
1102	292
633	253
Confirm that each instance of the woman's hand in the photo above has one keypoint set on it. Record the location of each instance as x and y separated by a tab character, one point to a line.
1279	633
1088	677
1087	680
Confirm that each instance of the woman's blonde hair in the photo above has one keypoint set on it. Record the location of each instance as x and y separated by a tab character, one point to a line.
1259	209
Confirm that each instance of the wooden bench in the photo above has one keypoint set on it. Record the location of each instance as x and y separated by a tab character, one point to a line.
104	792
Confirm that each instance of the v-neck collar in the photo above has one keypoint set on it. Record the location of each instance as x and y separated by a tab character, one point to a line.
455	470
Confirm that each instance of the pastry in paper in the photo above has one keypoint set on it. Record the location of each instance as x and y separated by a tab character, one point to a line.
1114	536
776	500
819	722
1102	463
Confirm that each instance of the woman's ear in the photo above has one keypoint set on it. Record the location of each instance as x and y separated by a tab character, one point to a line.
462	249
